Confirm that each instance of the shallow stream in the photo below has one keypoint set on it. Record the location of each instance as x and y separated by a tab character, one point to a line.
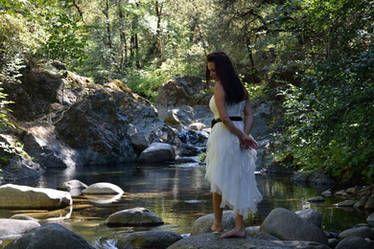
179	194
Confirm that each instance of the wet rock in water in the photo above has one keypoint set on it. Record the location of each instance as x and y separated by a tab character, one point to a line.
23	217
12	228
341	193
194	138
316	199
311	215
156	153
333	242
134	217
49	236
18	196
370	203
299	177
286	225
353	190
74	187
346	203
187	159
203	223
326	193
148	239
364	191
213	241
184	150
361	231
370	220
361	203
103	188
320	179
353	243
197	126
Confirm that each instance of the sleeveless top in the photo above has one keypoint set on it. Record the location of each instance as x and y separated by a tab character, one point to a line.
232	110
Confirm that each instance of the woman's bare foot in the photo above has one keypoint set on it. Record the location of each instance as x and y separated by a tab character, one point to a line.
236	232
216	228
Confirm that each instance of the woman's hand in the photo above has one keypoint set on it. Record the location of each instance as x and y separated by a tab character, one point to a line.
247	142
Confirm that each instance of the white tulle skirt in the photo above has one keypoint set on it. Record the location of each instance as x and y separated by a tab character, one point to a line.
230	170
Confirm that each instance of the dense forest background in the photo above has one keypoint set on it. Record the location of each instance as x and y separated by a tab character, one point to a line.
316	57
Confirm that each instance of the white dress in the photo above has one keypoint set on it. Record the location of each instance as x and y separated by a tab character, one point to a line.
230	169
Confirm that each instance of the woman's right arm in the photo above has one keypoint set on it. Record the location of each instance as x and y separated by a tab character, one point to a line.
248	116
246	142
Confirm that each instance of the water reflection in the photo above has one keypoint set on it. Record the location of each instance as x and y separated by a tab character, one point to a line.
179	195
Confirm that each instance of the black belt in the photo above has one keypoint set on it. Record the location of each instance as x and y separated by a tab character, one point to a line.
215	121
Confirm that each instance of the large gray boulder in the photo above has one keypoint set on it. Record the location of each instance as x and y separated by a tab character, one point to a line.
203	223
213	241
18	196
12	228
50	236
353	243
370	220
32	98
311	215
42	145
148	239
134	217
157	152
110	125
286	225
255	232
183	90
370	203
361	231
20	169
72	121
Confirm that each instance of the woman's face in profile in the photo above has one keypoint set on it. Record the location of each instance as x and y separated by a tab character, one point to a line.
212	71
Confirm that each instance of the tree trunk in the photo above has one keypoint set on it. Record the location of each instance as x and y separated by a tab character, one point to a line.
137	51
106	13
252	63
158	48
123	45
109	37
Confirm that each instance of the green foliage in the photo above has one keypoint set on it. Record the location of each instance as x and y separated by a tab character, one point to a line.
330	119
64	43
147	81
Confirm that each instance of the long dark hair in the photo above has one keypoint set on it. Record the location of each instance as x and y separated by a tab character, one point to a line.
234	88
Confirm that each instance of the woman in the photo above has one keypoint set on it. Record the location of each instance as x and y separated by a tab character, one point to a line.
231	154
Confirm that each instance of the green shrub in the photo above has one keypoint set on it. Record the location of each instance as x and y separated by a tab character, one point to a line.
330	119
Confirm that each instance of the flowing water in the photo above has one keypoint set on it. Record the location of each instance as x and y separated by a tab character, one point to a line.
179	194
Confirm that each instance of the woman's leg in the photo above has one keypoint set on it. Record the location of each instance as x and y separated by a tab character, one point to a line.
239	229
217	225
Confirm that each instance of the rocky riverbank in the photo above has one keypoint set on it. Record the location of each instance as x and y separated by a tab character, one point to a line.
280	229
64	120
